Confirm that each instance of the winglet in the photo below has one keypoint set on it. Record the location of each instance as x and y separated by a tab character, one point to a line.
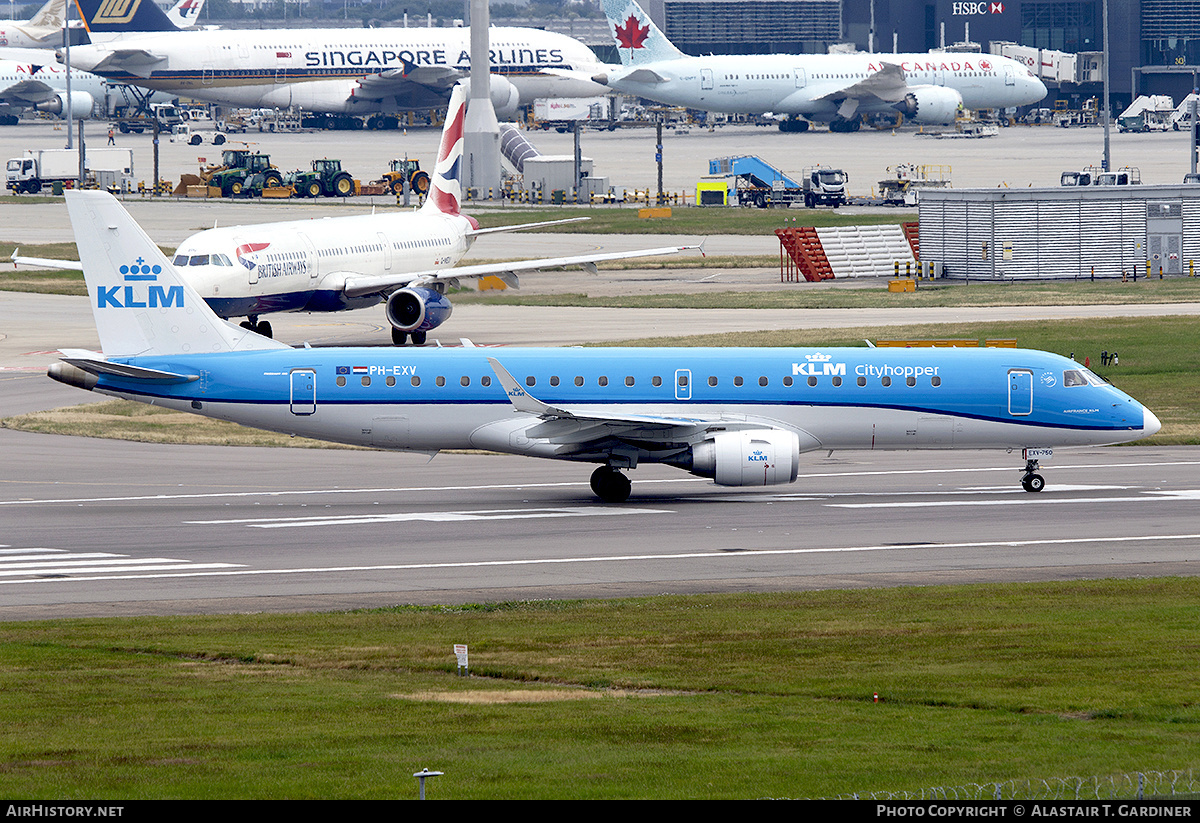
522	400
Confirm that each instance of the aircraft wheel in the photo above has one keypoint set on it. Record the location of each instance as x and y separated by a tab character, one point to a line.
418	338
1033	483
264	328
247	325
610	485
399	338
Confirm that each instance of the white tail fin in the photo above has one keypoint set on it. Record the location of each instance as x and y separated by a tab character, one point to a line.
141	304
445	193
639	41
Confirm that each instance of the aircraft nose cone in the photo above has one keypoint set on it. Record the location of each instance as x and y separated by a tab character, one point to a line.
1150	422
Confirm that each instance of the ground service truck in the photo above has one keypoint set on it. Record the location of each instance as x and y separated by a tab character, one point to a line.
41	167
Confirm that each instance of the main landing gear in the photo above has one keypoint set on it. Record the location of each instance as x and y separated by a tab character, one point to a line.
263	328
399	338
610	485
1032	481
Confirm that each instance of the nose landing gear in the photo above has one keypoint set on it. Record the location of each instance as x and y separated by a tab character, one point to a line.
1032	481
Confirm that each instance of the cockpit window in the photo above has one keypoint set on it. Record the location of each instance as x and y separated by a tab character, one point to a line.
198	260
180	259
1074	377
221	260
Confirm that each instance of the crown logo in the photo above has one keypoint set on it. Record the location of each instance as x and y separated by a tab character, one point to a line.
818	357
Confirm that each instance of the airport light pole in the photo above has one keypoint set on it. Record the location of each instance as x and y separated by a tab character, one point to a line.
1107	164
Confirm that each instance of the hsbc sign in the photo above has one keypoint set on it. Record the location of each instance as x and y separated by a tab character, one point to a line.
967	8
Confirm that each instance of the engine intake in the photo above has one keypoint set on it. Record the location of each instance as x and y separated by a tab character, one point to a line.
417	309
82	105
757	457
931	104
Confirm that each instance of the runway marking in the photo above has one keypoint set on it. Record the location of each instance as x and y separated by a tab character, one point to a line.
740	556
41	562
569	484
432	517
1026	499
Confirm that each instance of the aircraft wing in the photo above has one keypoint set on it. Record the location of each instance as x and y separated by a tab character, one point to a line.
887	84
578	433
26	93
133	60
358	286
400	81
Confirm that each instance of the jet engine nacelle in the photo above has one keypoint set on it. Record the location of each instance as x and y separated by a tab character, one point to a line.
931	104
757	457
82	104
417	309
506	100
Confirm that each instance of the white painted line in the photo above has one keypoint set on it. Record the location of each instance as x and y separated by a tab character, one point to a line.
432	517
1013	468
739	556
1027	499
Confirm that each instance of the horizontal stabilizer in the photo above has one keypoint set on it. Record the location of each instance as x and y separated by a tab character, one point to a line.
94	363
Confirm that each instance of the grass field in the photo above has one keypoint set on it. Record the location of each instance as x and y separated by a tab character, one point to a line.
672	697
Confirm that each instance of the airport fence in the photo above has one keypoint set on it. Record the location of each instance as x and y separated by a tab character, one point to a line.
1183	784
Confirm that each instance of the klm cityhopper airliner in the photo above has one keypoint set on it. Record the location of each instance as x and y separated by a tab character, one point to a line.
740	416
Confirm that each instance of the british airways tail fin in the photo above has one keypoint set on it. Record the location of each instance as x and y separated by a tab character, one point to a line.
106	17
639	41
141	304
446	190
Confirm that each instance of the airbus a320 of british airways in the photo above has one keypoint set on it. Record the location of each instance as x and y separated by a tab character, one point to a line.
742	417
405	260
927	88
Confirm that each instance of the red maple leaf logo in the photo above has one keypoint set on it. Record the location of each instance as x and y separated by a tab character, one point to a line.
631	35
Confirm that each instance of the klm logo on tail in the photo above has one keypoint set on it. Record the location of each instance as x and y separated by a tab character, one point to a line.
131	296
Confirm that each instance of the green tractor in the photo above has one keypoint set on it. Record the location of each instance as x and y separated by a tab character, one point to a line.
242	172
326	179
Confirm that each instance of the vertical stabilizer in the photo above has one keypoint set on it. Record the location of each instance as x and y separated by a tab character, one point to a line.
141	304
49	16
185	13
639	41
446	190
118	16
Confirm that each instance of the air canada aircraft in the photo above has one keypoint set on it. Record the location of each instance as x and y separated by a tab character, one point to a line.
34	80
742	417
406	259
927	88
336	71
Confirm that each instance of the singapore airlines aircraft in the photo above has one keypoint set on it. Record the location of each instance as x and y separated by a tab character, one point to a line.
928	88
340	263
337	71
740	416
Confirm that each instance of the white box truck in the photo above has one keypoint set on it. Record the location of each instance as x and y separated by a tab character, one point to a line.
41	167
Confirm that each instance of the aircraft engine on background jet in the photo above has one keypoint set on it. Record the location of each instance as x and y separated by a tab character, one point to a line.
417	309
931	104
755	457
82	104
506	100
